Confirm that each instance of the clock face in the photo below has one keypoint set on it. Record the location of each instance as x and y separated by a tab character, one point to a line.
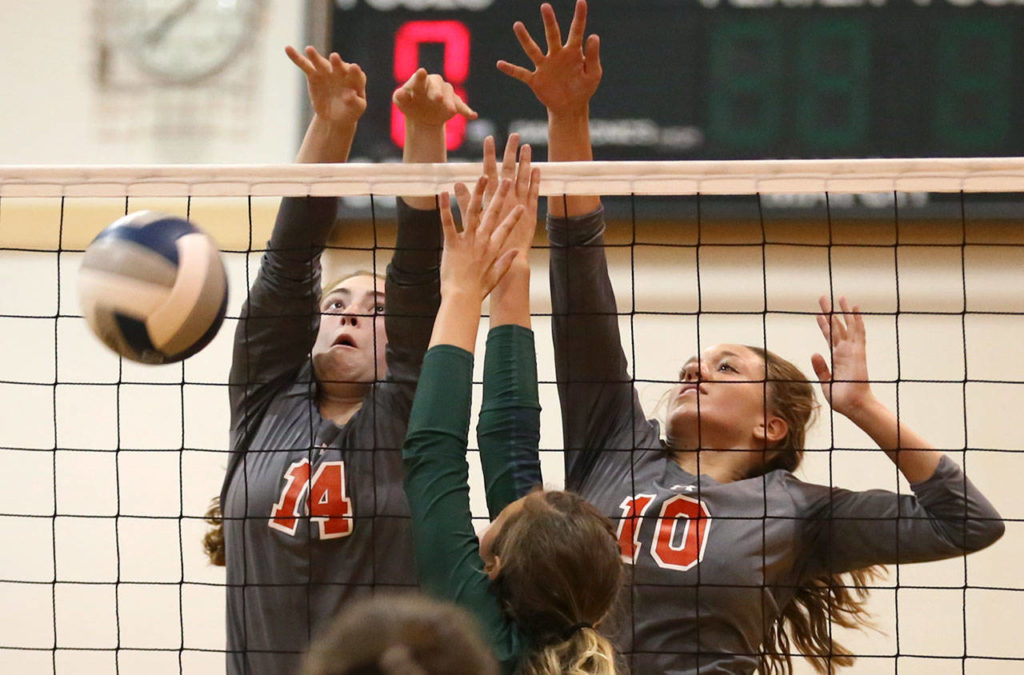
183	41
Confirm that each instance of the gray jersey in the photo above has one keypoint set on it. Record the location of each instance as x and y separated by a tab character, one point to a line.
315	514
711	564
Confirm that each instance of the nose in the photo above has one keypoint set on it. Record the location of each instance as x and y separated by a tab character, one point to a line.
694	371
350	318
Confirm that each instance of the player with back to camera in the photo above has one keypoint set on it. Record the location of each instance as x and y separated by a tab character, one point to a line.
546	572
755	574
400	635
321	385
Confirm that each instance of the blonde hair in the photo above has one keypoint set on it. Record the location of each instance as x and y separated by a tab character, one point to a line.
560	574
337	281
587	652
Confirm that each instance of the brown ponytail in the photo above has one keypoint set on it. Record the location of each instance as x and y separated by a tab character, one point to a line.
829	598
213	540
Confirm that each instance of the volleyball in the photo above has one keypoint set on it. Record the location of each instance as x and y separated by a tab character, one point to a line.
153	287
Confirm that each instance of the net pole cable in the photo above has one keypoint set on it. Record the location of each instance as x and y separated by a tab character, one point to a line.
111	464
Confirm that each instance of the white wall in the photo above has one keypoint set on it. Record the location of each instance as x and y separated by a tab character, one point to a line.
130	499
55	112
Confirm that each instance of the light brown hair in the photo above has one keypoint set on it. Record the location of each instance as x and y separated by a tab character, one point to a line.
213	540
829	598
560	573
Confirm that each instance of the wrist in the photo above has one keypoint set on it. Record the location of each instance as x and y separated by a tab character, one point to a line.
865	410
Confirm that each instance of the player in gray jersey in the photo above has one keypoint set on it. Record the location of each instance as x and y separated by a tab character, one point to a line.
726	545
314	513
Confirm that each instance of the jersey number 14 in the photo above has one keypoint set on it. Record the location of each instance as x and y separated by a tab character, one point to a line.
322	498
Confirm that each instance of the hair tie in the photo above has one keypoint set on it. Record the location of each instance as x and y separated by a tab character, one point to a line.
569	632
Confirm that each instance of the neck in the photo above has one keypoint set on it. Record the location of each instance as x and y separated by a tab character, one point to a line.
340	403
725	466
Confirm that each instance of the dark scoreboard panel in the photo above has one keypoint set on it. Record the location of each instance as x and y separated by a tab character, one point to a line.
717	79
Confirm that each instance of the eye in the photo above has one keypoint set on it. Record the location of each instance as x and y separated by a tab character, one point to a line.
379	308
725	367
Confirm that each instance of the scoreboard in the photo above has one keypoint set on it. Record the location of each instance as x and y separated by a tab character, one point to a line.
715	79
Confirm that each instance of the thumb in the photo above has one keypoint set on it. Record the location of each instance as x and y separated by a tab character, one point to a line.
500	268
821	368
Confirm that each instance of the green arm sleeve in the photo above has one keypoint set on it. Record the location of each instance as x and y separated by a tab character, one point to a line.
436	482
508	431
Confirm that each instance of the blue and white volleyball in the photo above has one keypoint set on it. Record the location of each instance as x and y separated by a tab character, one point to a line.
153	287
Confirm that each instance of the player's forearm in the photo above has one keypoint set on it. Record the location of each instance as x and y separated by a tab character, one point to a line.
458	320
326	142
913	455
424	144
569	141
510	299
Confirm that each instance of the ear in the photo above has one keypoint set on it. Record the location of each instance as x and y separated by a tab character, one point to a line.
492	567
772	430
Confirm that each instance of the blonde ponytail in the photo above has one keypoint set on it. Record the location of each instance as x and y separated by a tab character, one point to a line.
586	652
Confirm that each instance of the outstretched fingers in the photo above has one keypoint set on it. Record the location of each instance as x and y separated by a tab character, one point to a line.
530	48
552	33
831	324
300	60
578	26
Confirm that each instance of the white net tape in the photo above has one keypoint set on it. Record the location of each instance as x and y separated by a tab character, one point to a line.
606	178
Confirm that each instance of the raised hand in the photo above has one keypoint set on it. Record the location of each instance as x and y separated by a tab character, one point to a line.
476	258
337	90
846	386
566	77
525	181
429	100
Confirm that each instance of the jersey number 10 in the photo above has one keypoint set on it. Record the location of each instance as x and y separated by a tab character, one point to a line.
670	548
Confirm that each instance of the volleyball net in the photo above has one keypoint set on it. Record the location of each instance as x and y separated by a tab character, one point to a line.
110	465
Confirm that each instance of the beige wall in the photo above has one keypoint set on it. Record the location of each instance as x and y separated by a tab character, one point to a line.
55	110
151	415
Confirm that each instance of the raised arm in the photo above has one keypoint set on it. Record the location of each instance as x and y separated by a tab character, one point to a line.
600	410
413	288
280	317
847	389
436	473
508	431
564	80
946	516
427	102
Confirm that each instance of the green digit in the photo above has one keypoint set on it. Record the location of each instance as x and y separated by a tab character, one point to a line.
746	77
834	69
972	107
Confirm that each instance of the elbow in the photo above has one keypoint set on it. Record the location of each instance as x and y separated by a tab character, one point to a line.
982	533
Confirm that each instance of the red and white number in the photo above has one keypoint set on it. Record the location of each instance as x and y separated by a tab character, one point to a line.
455	37
323	498
633	509
680	535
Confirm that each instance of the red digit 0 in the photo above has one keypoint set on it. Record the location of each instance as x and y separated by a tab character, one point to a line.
455	37
695	519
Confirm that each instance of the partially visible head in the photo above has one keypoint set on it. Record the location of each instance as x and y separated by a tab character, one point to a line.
350	344
400	635
556	564
742	397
